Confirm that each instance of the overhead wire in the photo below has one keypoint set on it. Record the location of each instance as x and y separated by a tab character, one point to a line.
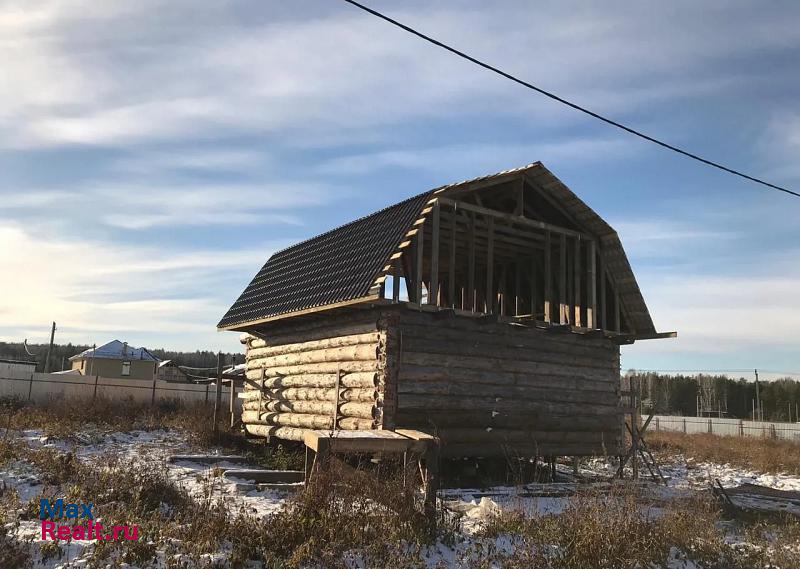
568	103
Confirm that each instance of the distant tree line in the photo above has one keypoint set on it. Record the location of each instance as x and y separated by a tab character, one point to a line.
59	357
718	395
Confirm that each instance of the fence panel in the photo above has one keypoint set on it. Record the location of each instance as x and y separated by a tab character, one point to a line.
44	388
727	427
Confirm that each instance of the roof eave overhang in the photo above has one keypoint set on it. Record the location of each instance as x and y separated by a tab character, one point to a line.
246	326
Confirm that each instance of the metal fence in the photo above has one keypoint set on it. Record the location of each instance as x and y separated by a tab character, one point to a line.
728	427
45	387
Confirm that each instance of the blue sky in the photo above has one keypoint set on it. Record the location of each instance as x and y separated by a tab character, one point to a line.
154	153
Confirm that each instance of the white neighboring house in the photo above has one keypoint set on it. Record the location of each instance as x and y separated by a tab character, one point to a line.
16	369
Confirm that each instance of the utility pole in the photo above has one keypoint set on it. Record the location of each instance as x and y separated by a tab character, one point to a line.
49	349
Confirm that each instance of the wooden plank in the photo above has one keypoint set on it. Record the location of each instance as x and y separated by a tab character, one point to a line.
602	306
490	268
591	282
396	282
420	244
433	293
562	281
576	277
471	266
548	277
451	276
511	218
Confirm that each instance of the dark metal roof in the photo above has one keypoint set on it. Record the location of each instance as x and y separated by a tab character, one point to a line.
344	263
334	267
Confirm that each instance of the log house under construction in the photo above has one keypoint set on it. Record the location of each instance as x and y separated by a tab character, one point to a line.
488	313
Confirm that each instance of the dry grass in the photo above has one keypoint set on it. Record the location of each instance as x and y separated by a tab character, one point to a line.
758	454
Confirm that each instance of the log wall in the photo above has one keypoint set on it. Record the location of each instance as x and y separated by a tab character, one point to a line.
487	388
293	370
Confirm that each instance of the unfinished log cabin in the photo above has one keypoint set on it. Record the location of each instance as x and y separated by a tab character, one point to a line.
488	313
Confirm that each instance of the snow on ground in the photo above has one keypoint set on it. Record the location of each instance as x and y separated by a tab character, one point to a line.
203	480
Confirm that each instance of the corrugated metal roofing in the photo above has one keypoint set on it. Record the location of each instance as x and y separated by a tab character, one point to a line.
344	263
337	266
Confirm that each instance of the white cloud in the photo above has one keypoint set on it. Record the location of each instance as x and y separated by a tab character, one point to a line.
155	296
70	79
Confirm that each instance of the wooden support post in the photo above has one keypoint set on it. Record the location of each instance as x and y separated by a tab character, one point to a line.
534	291
517	287
451	273
562	281
548	277
418	272
591	283
603	307
433	292
490	267
396	282
471	268
218	395
576	277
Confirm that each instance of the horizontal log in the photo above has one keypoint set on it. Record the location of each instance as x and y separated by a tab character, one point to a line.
360	410
306	421
448	418
364	379
522	450
320	326
504	365
554	394
596	359
453	402
259	349
499	436
516	338
418	374
320	368
360	352
287	433
313	394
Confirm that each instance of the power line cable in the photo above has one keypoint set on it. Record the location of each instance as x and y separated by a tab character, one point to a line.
575	106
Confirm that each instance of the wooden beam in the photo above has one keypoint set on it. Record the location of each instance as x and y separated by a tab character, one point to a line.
490	267
562	280
451	276
591	283
576	277
396	281
433	293
602	307
520	209
471	267
517	288
548	277
418	269
511	218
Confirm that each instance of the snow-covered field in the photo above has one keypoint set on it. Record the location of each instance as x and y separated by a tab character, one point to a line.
203	481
